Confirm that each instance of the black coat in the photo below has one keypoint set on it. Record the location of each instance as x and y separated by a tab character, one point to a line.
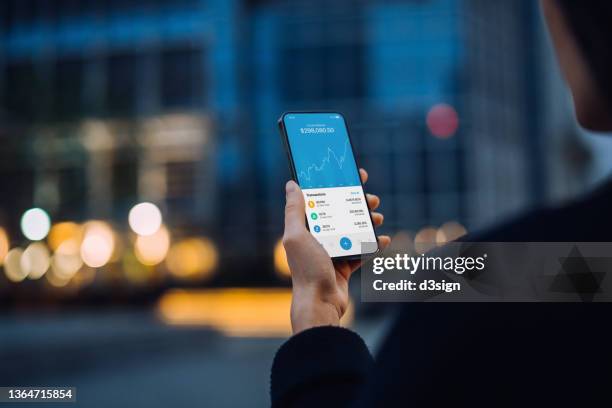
467	354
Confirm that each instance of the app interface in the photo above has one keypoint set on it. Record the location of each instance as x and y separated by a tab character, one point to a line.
336	208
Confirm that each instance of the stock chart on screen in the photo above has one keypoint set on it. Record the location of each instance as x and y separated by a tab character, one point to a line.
321	151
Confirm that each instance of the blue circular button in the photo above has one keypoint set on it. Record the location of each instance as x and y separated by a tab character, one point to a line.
317	228
346	243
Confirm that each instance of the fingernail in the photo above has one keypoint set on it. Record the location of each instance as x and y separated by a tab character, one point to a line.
290	186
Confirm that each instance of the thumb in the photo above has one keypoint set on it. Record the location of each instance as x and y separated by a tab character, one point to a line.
295	212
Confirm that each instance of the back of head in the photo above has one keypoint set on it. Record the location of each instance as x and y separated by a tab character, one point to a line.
590	22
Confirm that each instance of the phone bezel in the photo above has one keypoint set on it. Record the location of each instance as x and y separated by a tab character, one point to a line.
285	138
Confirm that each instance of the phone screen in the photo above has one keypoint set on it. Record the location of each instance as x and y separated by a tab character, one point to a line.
325	168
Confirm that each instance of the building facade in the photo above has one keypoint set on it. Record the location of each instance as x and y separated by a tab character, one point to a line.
107	103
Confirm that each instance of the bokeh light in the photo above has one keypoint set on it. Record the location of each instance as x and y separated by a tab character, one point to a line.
56	280
280	260
96	251
442	120
35	224
66	260
232	311
260	312
12	265
4	244
152	249
62	232
35	260
449	231
145	219
425	240
98	243
192	259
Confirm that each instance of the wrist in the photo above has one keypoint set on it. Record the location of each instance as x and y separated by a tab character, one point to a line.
308	311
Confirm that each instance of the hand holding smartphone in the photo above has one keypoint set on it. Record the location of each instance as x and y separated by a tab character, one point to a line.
323	164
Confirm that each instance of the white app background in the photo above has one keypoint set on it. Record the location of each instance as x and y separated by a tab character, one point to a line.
338	218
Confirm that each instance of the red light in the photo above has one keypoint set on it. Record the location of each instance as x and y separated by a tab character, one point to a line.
442	120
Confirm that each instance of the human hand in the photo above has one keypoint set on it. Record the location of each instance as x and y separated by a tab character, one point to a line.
320	286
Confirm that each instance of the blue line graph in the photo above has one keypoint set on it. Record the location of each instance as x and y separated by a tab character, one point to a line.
321	151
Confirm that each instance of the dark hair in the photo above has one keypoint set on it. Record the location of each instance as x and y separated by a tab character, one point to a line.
591	23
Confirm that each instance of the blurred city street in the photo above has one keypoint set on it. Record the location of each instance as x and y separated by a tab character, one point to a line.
129	358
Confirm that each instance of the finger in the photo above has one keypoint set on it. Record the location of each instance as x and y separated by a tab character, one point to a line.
354	265
373	201
364	176
377	219
344	269
383	241
295	217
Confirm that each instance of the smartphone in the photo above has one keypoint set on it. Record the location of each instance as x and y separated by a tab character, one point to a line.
322	162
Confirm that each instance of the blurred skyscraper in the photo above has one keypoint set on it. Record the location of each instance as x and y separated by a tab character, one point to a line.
389	66
81	78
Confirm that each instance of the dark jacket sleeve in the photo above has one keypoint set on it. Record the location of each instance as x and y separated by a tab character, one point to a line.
322	366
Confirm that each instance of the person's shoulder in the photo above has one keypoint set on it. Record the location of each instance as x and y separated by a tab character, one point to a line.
584	219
